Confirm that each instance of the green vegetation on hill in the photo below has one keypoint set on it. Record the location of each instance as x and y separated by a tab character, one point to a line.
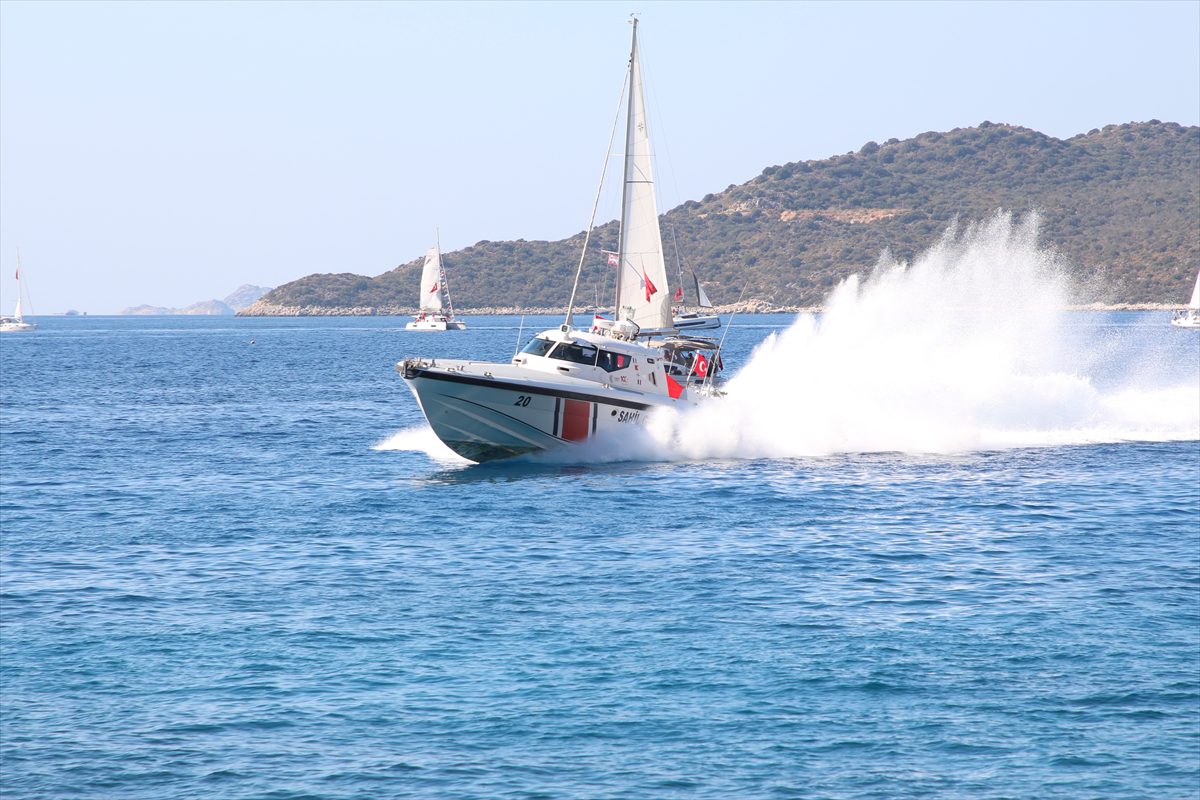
1122	204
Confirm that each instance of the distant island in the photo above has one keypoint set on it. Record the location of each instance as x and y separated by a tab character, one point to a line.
241	298
1120	203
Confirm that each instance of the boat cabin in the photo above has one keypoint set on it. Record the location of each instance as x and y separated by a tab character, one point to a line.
660	367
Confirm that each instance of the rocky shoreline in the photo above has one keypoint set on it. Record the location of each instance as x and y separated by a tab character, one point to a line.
746	307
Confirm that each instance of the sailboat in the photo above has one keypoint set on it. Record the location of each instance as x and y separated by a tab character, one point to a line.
16	323
430	316
1189	317
571	385
700	318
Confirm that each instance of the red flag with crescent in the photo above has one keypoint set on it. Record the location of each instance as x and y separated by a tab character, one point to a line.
650	288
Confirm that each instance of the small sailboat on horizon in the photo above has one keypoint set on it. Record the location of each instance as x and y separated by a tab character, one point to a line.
1189	317
430	316
16	323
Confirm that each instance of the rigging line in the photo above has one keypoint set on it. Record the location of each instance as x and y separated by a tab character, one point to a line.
651	94
728	326
612	137
442	271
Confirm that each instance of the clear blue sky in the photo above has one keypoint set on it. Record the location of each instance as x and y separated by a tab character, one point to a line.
166	152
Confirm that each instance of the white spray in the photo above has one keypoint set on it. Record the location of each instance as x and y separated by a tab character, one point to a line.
962	350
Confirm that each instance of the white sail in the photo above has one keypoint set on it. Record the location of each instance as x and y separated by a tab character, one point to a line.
17	315
431	281
702	298
1195	303
643	295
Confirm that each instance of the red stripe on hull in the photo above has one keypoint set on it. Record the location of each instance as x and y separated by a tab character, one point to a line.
576	420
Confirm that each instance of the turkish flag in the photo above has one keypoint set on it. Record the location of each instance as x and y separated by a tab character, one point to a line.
678	294
701	365
650	289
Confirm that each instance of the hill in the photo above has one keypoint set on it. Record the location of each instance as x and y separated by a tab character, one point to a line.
1122	204
205	308
245	295
242	297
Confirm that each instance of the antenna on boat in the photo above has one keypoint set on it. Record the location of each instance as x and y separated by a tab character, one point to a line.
520	331
612	137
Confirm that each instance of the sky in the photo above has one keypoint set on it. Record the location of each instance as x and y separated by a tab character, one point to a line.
169	152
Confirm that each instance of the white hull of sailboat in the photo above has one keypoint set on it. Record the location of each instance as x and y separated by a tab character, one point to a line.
1187	319
483	416
435	324
16	326
685	323
696	321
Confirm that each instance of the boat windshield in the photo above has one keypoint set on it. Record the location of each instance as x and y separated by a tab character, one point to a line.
538	346
587	354
577	354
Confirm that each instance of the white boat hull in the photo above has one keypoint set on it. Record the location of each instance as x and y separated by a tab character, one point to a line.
696	321
12	326
1187	319
681	324
485	417
435	324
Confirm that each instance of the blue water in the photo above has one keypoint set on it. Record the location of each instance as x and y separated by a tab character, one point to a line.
213	585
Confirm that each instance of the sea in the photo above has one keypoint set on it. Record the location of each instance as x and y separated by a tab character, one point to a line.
237	564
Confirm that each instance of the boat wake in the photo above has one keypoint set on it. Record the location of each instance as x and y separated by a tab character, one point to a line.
967	348
420	439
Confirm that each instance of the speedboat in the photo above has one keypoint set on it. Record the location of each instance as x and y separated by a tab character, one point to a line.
566	386
570	385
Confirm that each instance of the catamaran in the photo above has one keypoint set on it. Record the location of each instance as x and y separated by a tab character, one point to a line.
571	385
1189	317
16	323
430	316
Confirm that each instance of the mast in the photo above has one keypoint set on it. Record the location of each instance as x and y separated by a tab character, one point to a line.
634	76
17	314
643	293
